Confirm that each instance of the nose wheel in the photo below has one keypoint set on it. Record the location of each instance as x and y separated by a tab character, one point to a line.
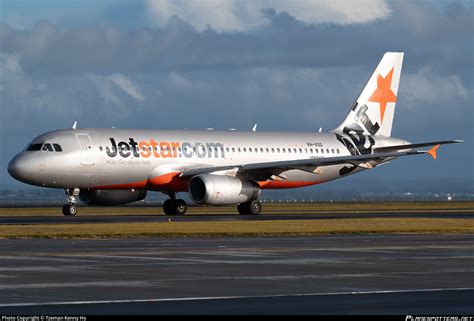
70	209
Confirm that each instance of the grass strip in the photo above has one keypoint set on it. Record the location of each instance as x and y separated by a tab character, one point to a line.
239	228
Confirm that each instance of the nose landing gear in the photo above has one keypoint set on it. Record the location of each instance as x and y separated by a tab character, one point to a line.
70	209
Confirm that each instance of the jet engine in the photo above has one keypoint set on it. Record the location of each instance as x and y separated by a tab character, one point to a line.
222	190
111	197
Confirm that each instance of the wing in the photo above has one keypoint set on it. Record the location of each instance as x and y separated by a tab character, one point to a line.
267	169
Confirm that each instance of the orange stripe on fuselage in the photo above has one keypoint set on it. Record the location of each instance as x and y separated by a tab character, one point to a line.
284	184
170	181
139	184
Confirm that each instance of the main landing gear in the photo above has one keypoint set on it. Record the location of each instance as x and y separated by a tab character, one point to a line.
174	206
250	208
70	209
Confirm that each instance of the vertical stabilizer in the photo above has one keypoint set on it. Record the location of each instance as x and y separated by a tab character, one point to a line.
372	113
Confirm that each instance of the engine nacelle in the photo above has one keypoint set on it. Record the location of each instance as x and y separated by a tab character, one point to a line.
222	190
111	197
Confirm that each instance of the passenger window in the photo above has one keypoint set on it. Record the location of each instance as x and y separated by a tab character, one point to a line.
47	147
332	150
322	150
327	150
261	150
337	150
273	150
278	150
34	147
58	148
233	149
245	149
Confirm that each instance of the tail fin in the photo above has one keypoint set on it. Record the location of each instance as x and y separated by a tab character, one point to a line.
372	113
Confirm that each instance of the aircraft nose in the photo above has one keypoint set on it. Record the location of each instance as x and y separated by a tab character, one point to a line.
19	168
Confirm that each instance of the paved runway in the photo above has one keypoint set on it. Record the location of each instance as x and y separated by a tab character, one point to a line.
60	219
402	274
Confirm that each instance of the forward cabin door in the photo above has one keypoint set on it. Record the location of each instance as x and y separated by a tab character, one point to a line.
87	152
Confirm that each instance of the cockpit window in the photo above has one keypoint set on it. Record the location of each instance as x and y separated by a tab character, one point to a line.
48	147
57	147
34	147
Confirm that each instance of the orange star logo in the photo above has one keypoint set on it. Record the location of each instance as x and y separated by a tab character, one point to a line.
383	94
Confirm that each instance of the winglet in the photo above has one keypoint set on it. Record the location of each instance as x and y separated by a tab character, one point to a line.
254	129
75	125
433	150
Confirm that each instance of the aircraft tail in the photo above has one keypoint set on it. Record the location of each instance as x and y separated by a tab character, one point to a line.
372	113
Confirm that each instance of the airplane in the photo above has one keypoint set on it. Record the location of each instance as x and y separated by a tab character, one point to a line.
119	166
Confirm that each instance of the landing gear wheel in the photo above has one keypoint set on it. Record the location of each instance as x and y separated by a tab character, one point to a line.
180	207
175	207
69	210
250	208
168	207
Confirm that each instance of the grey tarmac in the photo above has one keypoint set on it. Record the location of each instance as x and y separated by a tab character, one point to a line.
401	274
160	217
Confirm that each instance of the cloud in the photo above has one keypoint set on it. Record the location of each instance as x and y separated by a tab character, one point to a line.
51	50
120	97
427	87
245	15
127	86
283	70
9	63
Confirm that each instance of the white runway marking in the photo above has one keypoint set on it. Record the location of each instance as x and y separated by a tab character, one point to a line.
229	297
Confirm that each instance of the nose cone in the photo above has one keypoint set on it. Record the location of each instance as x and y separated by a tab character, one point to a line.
20	168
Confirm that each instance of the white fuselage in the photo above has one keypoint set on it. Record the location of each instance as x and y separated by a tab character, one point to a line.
152	159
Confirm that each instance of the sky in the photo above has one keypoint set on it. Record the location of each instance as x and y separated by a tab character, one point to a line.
286	65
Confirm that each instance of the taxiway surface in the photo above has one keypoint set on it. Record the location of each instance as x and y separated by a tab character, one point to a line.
402	274
61	219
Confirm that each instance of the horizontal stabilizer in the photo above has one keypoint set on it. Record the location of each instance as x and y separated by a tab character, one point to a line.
412	146
432	151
